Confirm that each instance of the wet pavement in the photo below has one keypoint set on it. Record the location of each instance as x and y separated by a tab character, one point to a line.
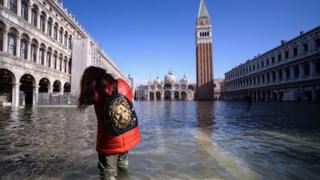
180	140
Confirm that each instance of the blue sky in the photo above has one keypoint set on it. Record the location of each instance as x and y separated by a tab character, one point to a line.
149	37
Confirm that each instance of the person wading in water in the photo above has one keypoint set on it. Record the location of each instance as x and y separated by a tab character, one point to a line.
112	149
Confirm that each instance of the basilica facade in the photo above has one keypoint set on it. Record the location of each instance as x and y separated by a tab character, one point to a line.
168	88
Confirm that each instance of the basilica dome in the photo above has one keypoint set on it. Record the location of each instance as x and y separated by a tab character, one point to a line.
170	78
157	81
184	79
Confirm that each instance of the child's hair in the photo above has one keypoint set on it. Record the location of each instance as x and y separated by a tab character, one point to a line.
92	78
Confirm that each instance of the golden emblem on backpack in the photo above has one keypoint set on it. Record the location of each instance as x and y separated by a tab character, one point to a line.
120	112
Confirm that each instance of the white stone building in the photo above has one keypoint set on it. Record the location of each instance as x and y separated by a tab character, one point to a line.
167	89
289	72
218	87
43	49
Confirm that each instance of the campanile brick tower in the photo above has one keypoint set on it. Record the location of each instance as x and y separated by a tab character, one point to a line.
205	88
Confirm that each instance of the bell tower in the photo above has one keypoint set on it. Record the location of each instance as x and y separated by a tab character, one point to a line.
205	88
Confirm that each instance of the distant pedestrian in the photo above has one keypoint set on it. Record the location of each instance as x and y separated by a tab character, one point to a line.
112	149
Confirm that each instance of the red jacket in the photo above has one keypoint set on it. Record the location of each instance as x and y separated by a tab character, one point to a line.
108	144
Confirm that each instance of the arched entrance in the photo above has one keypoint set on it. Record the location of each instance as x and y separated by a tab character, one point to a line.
176	96
281	94
167	86
183	96
66	87
274	96
44	85
307	96
158	96
167	95
56	86
151	96
27	87
7	80
317	92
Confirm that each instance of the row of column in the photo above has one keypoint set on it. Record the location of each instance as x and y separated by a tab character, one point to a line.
67	44
273	95
263	79
38	54
148	97
16	94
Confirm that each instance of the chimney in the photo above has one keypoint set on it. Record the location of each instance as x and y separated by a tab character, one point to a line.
283	42
301	32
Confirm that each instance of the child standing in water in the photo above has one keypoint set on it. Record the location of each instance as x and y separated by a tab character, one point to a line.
112	150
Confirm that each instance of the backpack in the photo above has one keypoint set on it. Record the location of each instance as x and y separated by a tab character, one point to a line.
119	114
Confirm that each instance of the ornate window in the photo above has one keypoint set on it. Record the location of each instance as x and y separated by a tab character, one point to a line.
295	51
24	9
42	53
55	31
65	64
34	16
43	18
317	42
296	71
2	31
13	6
61	35
34	49
48	59
280	73
55	59
60	62
66	39
287	73
12	42
317	66
69	66
24	47
70	42
273	76
49	28
306	69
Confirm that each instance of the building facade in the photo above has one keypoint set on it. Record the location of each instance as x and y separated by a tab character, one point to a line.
37	39
168	89
218	88
204	62
289	72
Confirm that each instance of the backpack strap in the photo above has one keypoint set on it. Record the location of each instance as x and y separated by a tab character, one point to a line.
115	87
101	91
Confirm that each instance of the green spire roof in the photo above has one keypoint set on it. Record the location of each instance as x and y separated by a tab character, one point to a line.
203	11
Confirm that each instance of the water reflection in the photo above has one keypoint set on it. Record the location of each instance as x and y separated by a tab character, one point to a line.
205	114
180	140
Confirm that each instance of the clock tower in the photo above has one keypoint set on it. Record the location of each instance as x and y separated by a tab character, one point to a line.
205	84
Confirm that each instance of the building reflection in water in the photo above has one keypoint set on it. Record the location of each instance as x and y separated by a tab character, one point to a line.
205	114
218	163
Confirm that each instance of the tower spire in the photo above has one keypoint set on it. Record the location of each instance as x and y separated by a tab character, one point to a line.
203	11
204	58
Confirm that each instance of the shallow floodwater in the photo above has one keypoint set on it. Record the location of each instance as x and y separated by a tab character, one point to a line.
180	140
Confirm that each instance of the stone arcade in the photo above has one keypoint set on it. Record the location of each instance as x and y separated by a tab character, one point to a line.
37	54
289	72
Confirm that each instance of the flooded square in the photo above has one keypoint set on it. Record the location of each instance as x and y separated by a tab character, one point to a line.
180	140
